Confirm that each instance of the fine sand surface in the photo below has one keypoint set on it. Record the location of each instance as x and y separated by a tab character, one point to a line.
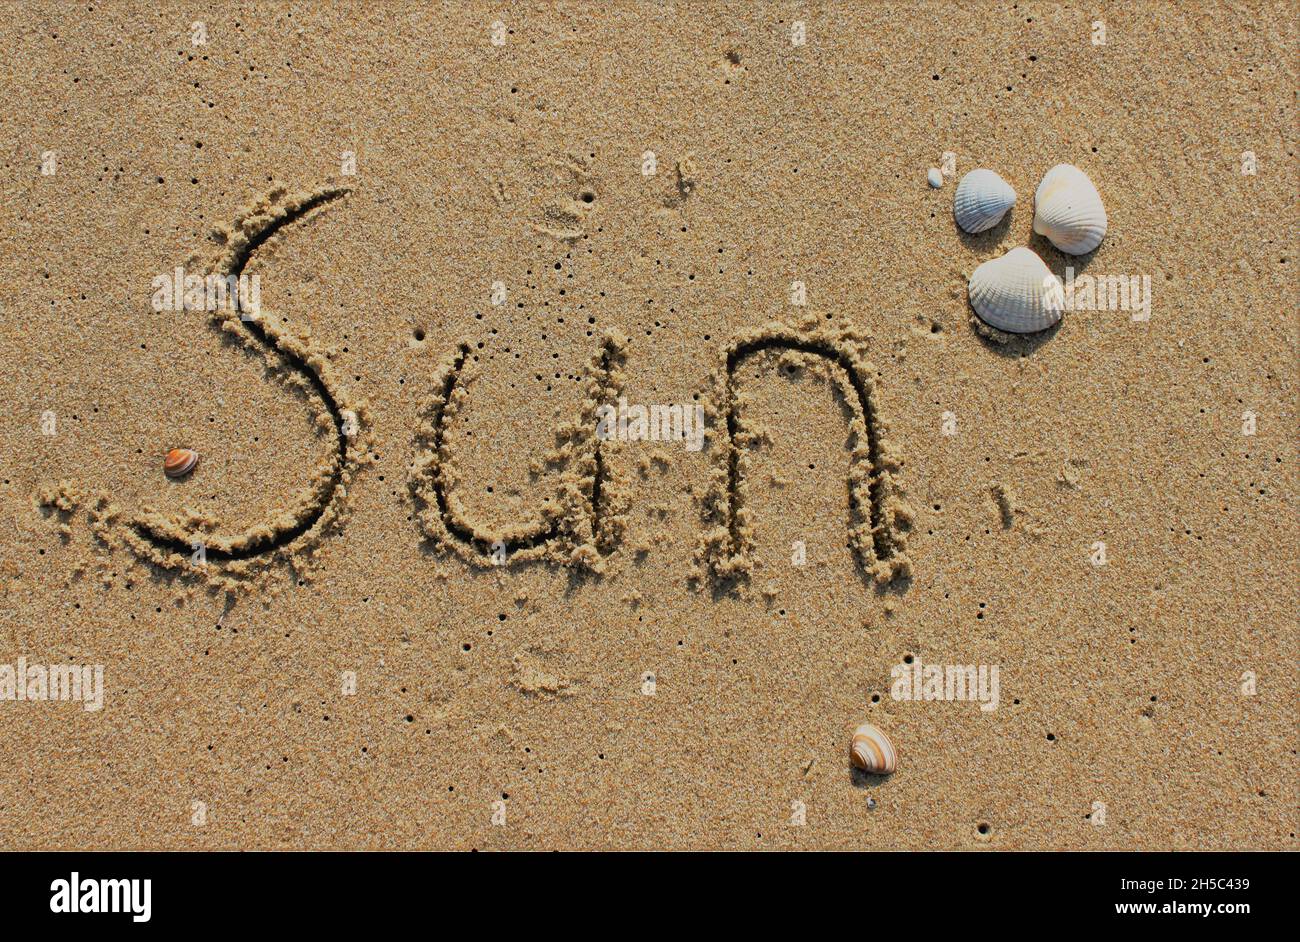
642	673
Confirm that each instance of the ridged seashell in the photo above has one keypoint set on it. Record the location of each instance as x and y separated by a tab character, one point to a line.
934	177
1068	210
872	751
180	462
1017	293
983	198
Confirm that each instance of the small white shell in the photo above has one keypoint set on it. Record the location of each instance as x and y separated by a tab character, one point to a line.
1017	293
872	751
983	198
935	177
1068	210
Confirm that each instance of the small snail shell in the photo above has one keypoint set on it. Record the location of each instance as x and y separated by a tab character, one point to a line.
872	751
180	462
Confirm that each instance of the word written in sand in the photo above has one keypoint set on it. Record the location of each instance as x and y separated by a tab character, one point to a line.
584	522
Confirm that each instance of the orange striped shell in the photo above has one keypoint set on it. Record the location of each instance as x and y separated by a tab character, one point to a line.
872	751
180	462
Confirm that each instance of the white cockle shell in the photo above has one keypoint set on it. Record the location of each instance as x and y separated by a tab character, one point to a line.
1017	293
983	198
1068	210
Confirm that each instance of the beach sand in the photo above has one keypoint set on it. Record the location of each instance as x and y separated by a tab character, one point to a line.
609	688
